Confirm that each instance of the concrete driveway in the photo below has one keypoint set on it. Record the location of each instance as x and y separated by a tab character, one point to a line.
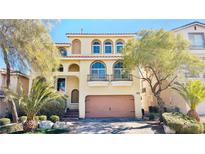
115	126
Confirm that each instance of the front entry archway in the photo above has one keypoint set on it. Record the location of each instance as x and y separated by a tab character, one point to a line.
75	96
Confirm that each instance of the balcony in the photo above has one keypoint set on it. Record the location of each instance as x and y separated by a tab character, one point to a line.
121	80
94	80
115	80
122	77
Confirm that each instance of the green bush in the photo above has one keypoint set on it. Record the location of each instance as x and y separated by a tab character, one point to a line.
54	118
42	117
182	123
22	119
17	127
36	118
53	108
4	121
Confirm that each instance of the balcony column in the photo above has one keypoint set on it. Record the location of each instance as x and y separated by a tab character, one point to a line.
138	105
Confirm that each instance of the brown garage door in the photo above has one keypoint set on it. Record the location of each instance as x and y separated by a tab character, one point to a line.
109	106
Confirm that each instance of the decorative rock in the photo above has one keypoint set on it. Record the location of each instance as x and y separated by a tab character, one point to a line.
61	125
46	124
168	130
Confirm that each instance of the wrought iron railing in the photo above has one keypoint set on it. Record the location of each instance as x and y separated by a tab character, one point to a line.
121	77
98	78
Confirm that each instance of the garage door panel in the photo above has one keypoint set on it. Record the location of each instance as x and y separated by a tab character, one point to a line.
110	106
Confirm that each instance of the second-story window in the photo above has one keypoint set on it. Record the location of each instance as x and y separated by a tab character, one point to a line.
119	46
63	52
197	40
98	71
108	47
96	47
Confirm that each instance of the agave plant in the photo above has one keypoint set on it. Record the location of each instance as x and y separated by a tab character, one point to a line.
42	92
194	94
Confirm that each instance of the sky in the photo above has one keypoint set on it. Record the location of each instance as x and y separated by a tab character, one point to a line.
109	25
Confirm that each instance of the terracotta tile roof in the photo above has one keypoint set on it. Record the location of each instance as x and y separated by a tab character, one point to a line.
63	44
189	24
94	56
100	34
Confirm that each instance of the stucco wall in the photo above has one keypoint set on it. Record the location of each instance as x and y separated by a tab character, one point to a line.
106	90
86	42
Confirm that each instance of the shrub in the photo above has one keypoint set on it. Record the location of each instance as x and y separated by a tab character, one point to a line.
22	119
5	121
182	123
53	108
54	118
36	118
42	117
151	117
17	127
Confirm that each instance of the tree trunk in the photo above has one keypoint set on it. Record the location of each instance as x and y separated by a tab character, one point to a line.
8	76
161	106
192	113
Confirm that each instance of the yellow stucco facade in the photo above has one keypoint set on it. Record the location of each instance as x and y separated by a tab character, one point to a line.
79	79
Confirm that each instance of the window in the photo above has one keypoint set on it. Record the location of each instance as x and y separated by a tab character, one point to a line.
98	71
60	69
118	69
61	84
96	47
119	46
197	40
108	47
119	72
63	52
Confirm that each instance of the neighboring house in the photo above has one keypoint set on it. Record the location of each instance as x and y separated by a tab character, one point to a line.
195	34
18	79
91	74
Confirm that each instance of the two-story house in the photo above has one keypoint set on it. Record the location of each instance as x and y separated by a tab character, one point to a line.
195	33
92	75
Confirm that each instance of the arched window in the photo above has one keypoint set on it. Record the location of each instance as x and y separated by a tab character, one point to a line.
63	52
96	45
98	71
118	71
108	47
75	96
119	46
60	69
76	46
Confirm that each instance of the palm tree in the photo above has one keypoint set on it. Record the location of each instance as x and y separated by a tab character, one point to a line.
194	94
42	92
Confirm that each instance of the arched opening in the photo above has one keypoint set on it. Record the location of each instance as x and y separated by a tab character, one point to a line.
73	68
60	69
75	96
96	47
76	46
119	46
119	73
98	71
108	47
